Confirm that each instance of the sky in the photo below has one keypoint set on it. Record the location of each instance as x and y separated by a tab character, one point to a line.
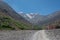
43	7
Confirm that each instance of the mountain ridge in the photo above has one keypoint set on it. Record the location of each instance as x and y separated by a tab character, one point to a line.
43	20
6	10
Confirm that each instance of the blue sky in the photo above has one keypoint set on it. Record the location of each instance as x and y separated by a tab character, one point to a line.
43	7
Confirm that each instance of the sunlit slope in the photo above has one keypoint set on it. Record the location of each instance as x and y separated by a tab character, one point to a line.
9	19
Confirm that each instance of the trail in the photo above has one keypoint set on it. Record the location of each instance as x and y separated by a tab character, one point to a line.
39	35
30	35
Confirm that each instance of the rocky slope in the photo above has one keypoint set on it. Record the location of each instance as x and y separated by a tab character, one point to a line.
53	18
10	19
38	19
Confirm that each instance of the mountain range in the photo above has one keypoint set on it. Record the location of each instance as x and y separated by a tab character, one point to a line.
37	19
13	19
10	19
33	18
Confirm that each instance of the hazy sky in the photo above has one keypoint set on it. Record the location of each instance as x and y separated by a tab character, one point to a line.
43	7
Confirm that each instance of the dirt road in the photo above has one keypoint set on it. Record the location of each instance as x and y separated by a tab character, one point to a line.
30	35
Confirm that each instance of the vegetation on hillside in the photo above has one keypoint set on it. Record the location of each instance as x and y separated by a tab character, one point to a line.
8	23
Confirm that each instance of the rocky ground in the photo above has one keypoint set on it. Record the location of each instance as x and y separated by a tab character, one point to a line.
30	35
53	34
16	35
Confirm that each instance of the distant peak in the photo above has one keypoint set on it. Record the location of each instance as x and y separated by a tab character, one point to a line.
29	16
21	12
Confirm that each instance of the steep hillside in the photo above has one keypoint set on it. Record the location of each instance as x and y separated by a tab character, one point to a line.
9	19
9	11
6	22
53	18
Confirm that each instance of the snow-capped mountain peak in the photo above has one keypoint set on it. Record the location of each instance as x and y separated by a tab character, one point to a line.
30	16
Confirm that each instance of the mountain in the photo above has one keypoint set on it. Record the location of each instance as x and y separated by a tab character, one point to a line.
53	18
37	19
9	11
11	19
33	18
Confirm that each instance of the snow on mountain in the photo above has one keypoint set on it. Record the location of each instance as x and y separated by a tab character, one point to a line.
33	17
28	15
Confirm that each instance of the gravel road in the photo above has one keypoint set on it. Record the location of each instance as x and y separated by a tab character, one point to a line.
30	35
16	35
